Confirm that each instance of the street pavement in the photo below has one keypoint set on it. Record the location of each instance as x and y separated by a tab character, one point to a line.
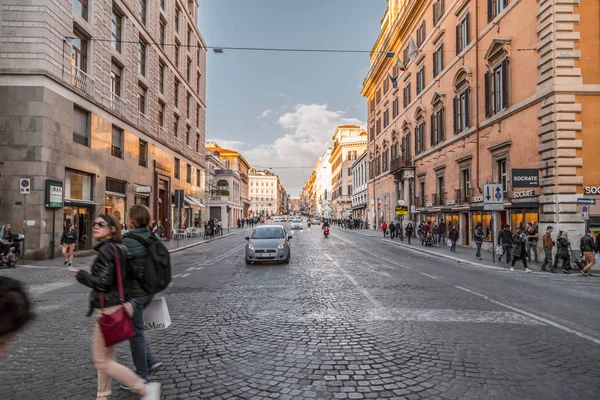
350	317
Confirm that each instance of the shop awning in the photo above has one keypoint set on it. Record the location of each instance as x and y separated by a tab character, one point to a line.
359	207
194	202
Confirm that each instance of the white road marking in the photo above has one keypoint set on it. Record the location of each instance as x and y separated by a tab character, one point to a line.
429	276
536	317
190	269
183	276
449	315
364	291
37	290
199	268
376	255
382	273
224	256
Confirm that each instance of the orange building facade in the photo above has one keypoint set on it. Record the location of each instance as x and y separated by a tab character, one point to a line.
494	91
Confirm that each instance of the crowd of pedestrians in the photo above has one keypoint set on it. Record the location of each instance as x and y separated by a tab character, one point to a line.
349	223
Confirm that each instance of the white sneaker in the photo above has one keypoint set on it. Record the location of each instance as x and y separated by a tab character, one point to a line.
512	268
152	391
528	270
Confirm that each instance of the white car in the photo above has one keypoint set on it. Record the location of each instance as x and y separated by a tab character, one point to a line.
297	224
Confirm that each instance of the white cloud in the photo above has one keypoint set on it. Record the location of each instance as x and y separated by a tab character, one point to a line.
265	113
284	95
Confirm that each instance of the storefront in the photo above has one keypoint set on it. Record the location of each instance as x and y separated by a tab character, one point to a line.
79	207
115	201
142	195
452	219
524	208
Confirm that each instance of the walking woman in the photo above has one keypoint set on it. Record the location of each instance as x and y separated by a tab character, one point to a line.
105	297
409	231
519	252
563	246
453	236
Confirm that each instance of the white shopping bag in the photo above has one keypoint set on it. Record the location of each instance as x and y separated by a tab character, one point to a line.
499	250
156	315
448	242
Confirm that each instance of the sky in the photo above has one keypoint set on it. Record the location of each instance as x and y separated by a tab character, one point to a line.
280	109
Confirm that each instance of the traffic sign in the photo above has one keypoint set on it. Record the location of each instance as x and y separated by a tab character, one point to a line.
25	185
585	213
493	197
591	202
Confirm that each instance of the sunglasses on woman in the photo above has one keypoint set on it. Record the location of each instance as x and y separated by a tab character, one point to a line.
101	224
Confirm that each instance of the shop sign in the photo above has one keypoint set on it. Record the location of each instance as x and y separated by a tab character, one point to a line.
143	189
586	201
523	193
525	178
401	210
478	199
54	193
450	202
592	190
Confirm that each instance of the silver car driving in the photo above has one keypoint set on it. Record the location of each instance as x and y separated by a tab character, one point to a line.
268	243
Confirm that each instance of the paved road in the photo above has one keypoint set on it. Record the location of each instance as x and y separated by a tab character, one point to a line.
349	317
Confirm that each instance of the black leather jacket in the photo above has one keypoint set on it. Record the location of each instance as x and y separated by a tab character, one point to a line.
587	244
103	275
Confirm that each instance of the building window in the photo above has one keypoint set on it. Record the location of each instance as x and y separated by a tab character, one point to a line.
496	89
406	95
176	126
189	71
198	57
438	60
378	124
176	168
395	110
177	55
198	176
81	126
463	33
461	110
438	11
163	5
187	135
386	118
189	38
81	8
188	174
378	96
421	34
198	80
177	20
386	154
502	169
419	132
161	115
198	117
378	164
441	191
117	21
142	57
162	34
161	77
176	93
437	127
188	104
142	11
115	79
495	7
143	153
386	86
421	80
141	99
79	52
394	150
117	142
371	133
197	143
466	185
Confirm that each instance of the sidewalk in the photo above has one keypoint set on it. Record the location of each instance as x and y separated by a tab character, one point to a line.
465	255
171	245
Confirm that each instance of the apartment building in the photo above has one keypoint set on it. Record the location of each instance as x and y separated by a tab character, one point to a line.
349	143
265	193
360	188
323	184
107	99
487	91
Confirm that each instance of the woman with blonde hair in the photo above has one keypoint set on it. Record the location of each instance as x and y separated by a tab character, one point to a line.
108	281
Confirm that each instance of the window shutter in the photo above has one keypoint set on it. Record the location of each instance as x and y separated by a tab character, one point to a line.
457	39
433	132
468	23
505	3
442	57
455	114
487	95
441	8
468	107
435	63
441	124
435	17
490	10
505	83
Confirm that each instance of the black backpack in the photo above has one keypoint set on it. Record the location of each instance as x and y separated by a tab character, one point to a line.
157	268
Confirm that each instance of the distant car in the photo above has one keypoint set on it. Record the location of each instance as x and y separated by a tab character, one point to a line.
316	221
268	243
297	224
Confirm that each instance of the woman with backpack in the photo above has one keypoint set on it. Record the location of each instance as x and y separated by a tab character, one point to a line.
136	242
110	295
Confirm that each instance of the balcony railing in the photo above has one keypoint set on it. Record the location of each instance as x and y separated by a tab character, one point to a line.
438	199
463	195
399	163
143	121
116	151
118	104
82	81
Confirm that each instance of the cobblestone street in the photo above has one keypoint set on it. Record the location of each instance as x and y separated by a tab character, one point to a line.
350	317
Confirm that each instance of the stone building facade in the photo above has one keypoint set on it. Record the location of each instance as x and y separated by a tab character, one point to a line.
360	188
107	97
485	88
265	193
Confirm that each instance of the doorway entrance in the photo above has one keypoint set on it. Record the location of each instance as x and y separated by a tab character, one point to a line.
81	217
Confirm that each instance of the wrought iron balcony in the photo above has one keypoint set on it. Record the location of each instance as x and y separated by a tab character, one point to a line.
116	151
463	195
438	199
399	163
82	81
143	121
118	104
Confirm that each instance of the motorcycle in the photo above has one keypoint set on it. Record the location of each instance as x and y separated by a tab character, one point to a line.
14	248
309	224
326	231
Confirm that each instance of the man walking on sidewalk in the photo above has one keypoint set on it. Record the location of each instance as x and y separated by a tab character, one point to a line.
518	252
532	240
442	238
478	238
505	239
548	244
588	248
392	230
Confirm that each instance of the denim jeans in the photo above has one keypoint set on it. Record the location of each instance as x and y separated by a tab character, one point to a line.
506	249
478	244
142	358
532	244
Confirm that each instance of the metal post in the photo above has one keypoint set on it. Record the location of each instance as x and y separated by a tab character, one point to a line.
178	221
493	241
52	241
24	225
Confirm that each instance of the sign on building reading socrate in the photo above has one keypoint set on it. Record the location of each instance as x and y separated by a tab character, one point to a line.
525	178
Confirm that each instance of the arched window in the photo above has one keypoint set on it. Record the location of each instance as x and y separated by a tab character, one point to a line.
461	102
222	188
377	162
419	131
